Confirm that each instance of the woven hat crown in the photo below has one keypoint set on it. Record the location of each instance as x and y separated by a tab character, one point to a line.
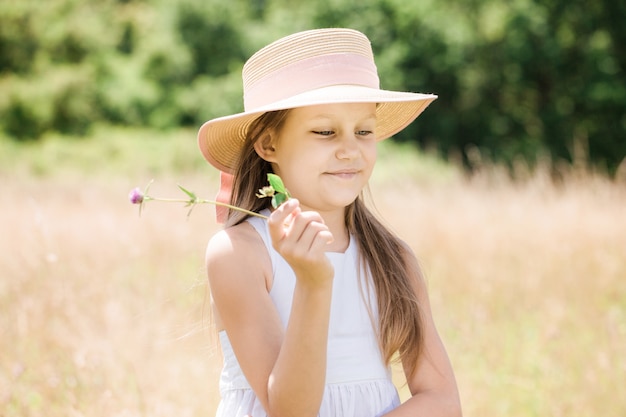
305	61
301	46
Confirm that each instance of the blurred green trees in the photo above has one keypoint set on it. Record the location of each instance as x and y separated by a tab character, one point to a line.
517	79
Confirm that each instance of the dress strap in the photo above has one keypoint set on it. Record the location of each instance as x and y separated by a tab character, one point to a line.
261	227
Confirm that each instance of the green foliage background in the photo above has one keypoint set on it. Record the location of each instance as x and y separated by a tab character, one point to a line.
522	79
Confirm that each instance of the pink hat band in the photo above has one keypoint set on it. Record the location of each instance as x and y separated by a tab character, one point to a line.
310	74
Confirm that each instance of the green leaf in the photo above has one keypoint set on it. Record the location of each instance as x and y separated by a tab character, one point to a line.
191	194
276	183
278	199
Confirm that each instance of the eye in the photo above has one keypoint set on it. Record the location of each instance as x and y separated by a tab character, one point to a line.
364	132
324	132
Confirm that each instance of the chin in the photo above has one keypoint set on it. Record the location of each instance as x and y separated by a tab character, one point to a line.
343	202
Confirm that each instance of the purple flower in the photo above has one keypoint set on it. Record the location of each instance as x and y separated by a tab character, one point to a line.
135	196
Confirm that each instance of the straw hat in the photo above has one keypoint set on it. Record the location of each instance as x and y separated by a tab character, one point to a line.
313	67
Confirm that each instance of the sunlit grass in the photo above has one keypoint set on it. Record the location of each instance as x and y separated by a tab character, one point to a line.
105	313
528	288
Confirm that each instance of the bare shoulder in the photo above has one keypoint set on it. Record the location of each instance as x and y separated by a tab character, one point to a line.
234	252
239	272
232	240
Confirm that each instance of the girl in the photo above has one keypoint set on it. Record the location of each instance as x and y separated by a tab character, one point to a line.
312	303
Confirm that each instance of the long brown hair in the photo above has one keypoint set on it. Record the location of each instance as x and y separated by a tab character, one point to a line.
399	318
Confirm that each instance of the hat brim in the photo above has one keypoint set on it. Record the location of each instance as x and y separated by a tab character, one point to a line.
222	139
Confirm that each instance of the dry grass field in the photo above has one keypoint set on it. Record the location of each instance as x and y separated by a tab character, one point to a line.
104	313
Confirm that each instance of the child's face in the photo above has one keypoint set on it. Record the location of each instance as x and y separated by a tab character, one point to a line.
325	154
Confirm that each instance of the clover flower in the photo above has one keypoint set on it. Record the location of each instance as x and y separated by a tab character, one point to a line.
275	190
135	196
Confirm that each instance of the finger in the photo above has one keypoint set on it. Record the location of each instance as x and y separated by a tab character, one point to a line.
315	237
322	240
296	224
281	216
301	222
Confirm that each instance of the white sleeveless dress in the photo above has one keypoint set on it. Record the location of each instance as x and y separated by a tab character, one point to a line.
358	384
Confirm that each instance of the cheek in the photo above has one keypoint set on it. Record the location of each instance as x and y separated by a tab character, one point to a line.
308	156
293	166
370	153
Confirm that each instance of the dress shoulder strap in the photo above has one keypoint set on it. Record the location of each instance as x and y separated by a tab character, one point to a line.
261	227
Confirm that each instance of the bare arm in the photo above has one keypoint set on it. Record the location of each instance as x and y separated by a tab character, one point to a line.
433	386
276	361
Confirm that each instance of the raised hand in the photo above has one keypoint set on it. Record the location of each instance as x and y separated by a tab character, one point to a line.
302	238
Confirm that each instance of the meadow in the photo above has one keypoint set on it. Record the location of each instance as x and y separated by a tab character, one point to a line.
106	313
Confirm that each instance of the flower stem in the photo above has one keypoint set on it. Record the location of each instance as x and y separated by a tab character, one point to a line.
202	201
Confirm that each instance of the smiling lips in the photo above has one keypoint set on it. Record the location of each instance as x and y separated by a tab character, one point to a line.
343	173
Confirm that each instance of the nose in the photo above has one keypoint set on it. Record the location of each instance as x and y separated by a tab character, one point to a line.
348	147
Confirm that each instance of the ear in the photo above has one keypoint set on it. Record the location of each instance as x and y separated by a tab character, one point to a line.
264	147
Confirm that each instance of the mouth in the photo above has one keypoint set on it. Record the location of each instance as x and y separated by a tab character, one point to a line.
343	173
